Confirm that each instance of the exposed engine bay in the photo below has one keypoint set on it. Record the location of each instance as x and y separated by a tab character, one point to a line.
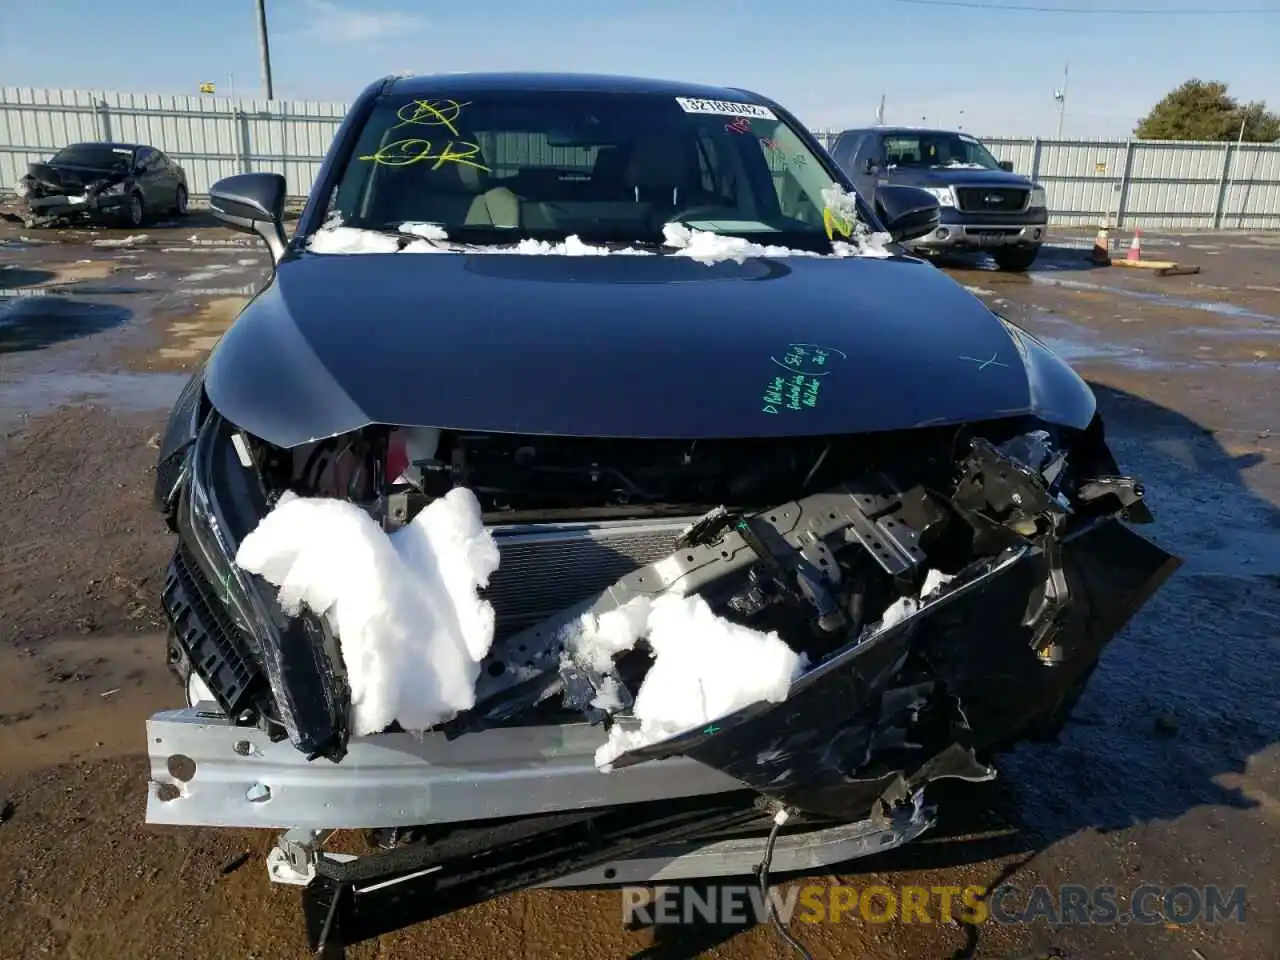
955	501
948	594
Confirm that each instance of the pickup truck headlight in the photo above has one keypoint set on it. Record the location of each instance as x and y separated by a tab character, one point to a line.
1038	197
946	198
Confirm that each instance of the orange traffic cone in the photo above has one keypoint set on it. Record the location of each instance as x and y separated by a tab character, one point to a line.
1101	245
1135	248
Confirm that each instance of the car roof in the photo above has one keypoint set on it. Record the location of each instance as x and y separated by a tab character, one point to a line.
102	143
904	129
464	83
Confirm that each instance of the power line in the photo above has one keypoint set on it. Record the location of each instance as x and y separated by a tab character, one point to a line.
1139	11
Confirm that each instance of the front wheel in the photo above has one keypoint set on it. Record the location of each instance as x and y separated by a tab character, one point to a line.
135	211
180	201
1016	259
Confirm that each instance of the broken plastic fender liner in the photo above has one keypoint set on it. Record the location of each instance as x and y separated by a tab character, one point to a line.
807	751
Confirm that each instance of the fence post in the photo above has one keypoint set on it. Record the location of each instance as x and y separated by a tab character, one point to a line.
1035	158
1125	177
241	138
1222	187
101	118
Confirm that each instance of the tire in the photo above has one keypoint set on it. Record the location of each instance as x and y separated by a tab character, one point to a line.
135	212
180	201
1016	259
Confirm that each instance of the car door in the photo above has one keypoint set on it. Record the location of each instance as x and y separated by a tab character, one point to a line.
150	179
868	165
171	177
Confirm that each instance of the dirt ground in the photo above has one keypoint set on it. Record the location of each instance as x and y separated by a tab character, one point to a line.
1168	773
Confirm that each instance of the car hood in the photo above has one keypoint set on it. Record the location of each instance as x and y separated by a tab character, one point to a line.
625	346
959	176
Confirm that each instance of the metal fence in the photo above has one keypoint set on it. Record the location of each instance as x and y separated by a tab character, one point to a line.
1152	184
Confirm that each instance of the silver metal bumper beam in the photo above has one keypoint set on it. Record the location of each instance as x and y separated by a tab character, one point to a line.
207	772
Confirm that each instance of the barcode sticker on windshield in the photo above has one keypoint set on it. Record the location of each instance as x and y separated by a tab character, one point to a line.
725	108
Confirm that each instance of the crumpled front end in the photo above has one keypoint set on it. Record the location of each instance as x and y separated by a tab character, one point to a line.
934	596
947	592
48	194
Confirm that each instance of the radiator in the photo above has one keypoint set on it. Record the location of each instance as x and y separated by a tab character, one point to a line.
547	567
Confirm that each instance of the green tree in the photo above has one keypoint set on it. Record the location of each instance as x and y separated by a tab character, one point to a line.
1203	111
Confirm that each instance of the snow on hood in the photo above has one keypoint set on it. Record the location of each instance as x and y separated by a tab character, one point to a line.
705	667
405	606
705	246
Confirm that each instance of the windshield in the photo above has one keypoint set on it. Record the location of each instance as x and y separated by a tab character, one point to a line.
101	156
937	150
605	167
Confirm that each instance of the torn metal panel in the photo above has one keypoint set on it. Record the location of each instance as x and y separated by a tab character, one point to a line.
809	530
820	748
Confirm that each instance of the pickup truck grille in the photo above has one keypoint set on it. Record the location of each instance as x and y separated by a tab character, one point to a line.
992	199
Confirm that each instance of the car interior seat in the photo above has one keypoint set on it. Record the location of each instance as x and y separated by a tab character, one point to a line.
659	175
451	194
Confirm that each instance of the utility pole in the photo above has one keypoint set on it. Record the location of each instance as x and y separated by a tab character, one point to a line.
880	112
264	50
1061	97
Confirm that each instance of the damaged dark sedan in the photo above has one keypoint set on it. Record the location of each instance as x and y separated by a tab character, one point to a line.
118	183
597	491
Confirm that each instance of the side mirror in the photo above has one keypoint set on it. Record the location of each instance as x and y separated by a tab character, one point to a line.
906	212
252	203
1006	166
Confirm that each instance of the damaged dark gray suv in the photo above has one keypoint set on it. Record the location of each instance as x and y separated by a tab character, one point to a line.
598	489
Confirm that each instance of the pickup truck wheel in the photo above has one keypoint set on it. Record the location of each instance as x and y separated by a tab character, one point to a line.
1015	259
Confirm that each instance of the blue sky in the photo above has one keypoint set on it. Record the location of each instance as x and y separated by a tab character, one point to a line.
828	60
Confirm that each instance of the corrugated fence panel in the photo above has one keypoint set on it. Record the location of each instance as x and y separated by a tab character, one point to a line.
1147	183
1251	200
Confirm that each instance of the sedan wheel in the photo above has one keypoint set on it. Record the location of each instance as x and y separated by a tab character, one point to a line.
180	201
136	211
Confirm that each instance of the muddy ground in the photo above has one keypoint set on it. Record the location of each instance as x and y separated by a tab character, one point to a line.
1168	773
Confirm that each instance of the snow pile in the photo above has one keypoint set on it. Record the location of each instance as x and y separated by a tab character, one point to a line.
21	188
404	606
572	246
333	237
705	667
427	231
702	245
128	241
352	240
707	247
904	607
841	218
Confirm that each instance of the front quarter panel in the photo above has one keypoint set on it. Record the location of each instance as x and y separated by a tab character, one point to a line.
1057	393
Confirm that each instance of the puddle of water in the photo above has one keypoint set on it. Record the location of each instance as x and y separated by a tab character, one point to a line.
1074	351
1222	309
126	392
36	322
211	272
13	277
